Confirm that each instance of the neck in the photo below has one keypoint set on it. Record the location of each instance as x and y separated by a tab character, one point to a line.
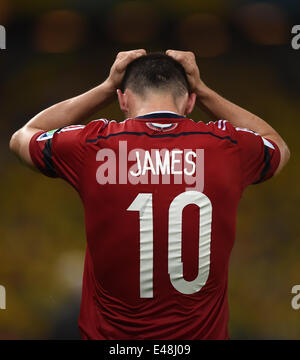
161	103
150	109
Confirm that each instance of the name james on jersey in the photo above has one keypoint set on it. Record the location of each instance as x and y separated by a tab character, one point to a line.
155	165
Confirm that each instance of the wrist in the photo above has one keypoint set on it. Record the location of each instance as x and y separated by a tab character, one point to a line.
202	90
109	86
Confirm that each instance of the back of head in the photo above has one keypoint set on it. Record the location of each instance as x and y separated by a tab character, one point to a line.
156	73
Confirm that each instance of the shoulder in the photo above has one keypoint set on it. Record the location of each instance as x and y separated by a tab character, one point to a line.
215	126
223	128
96	126
220	129
103	128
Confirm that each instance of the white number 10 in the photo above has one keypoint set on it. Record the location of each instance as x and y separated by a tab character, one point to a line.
143	204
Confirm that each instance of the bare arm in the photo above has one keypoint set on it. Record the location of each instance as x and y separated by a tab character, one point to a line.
75	110
219	108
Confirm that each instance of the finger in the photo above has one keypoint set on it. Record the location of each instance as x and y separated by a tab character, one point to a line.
140	51
128	57
137	52
172	53
185	58
181	55
177	55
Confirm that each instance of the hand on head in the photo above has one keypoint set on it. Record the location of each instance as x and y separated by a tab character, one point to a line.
118	68
188	61
185	58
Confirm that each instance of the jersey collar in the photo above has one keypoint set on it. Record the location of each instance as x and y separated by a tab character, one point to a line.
161	115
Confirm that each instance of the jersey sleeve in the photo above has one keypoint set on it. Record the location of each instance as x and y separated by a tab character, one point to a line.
259	157
59	153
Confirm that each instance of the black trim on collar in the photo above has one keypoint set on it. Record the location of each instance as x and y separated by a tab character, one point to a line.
162	115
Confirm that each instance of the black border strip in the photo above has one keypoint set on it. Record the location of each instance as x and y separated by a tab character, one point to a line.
267	167
48	159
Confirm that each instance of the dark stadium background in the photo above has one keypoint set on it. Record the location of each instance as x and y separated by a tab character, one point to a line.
59	48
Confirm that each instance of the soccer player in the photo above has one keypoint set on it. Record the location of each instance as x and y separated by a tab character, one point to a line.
160	194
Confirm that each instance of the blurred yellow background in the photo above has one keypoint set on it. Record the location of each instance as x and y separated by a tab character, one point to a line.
58	49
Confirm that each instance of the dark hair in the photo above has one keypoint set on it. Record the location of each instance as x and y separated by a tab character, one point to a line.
155	71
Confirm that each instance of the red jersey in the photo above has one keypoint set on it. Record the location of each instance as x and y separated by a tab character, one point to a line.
160	195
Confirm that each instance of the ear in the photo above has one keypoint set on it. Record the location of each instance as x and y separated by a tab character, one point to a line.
123	101
190	103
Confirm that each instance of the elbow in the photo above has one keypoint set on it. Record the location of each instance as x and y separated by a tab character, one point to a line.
285	154
288	154
14	143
